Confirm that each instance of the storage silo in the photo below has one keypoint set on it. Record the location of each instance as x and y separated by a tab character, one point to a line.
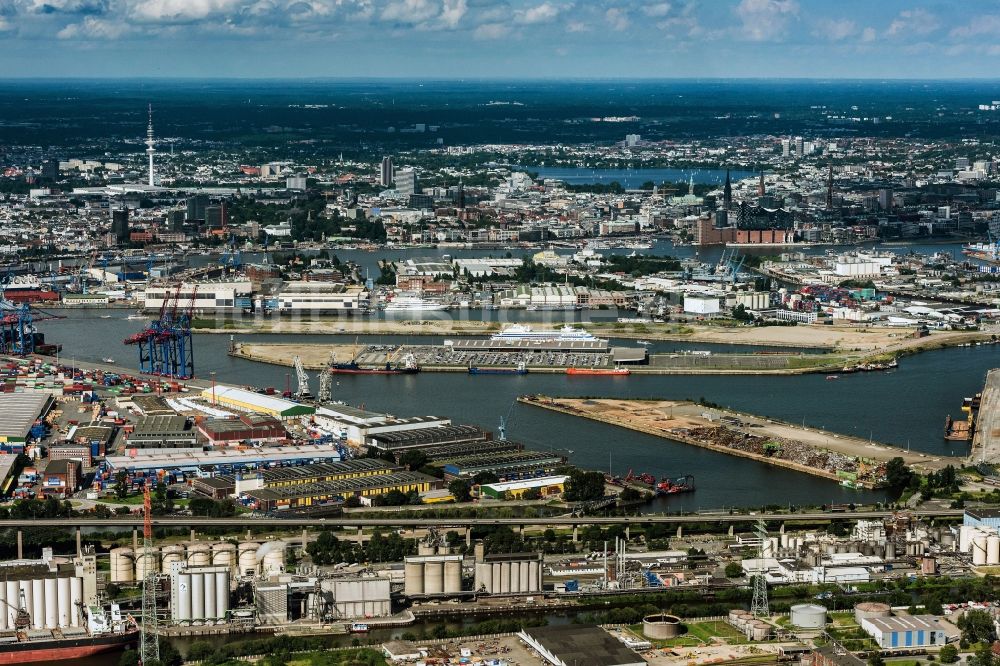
947	540
221	593
662	626
199	555
224	555
993	549
247	556
51	603
273	558
209	595
184	597
979	550
483	579
37	603
62	599
413	578
515	576
122	565
75	599
871	609
808	616
170	555
525	583
495	575
4	605
890	550
758	631
424	549
965	533
434	577
12	593
536	575
145	565
25	587
505	578
197	596
452	576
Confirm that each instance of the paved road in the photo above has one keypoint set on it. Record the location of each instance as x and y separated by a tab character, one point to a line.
195	522
986	442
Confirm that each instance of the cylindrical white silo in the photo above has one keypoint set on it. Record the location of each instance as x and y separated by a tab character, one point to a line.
273	562
13	601
515	577
122	565
993	549
4	615
965	538
224	555
413	578
247	553
51	603
170	555
146	565
221	593
75	599
505	578
210	613
433	578
184	591
63	598
197	596
536	576
979	550
524	585
28	590
495	578
452	576
199	555
37	603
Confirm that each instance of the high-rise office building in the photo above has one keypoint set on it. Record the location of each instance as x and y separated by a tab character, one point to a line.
50	170
800	146
786	147
175	220
632	140
885	199
406	182
213	217
119	224
385	174
196	207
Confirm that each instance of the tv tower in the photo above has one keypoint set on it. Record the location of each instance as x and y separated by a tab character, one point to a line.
149	144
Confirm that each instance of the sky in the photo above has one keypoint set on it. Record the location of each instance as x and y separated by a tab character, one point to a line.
443	39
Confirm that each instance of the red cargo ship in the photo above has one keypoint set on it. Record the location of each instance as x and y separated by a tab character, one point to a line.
58	649
617	372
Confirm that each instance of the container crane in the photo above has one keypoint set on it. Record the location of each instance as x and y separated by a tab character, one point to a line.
166	345
303	392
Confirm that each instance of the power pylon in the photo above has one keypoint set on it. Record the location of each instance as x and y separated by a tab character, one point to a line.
149	642
759	605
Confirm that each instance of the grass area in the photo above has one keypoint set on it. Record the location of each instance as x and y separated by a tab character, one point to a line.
131	500
815	361
698	634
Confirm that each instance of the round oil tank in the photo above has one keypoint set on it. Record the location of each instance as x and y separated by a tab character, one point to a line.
273	562
413	578
662	626
224	554
993	550
170	555
947	540
122	565
199	555
808	616
870	609
965	533
433	578
979	550
146	565
758	631
247	557
452	576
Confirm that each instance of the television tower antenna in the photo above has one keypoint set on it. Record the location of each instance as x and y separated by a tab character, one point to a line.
150	143
149	641
759	605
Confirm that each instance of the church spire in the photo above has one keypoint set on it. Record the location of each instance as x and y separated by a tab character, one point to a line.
727	193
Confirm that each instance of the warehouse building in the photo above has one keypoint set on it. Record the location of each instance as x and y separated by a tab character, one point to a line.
159	433
546	485
282	477
70	451
449	451
426	438
905	631
358	425
332	492
320	297
224	461
247	428
18	413
506	465
61	477
576	645
242	400
97	437
203	297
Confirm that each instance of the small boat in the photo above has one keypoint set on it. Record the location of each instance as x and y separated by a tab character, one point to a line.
831	377
598	371
108	360
358	628
105	316
644	343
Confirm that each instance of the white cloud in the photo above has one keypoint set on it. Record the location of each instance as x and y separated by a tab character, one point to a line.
491	31
577	26
913	22
835	30
410	11
988	24
180	11
765	20
657	9
93	28
452	13
617	18
868	34
542	13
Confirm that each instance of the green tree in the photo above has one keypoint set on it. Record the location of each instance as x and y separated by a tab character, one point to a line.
461	490
977	627
949	654
584	486
876	659
734	570
121	487
897	475
200	651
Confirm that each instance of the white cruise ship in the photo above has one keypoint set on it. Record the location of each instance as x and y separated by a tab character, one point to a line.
412	304
521	332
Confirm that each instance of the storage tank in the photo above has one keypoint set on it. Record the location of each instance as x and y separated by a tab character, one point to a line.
37	603
808	616
993	549
452	576
965	533
505	578
433	577
424	549
661	627
947	540
979	550
525	583
184	600
13	594
62	599
413	578
169	555
515	576
4	613
871	609
483	577
272	558
209	584
75	599
224	555
142	567
495	575
221	593
51	603
536	576
197	596
247	555
29	600
122	565
890	550
199	555
758	631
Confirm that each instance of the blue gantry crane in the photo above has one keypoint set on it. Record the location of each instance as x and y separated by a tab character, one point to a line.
166	346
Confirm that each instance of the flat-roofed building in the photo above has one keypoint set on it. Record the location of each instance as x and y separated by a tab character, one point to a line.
316	297
242	400
332	492
247	428
357	425
424	438
578	645
18	413
208	296
905	631
156	433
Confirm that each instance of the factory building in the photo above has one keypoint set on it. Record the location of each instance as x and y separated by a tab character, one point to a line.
332	492
546	485
225	461
505	465
208	296
348	598
358	425
62	477
198	594
54	593
432	575
575	645
320	297
152	434
246	428
982	517
219	487
427	438
242	400
18	414
509	573
907	631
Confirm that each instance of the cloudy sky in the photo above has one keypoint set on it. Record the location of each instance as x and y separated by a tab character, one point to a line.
500	38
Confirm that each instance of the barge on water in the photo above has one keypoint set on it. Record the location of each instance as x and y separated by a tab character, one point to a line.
104	632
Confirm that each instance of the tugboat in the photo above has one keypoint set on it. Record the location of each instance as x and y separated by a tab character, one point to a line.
519	369
683	484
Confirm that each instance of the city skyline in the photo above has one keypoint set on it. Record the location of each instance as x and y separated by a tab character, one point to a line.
529	39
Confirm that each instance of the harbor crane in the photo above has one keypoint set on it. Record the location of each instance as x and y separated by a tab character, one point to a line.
166	346
303	391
